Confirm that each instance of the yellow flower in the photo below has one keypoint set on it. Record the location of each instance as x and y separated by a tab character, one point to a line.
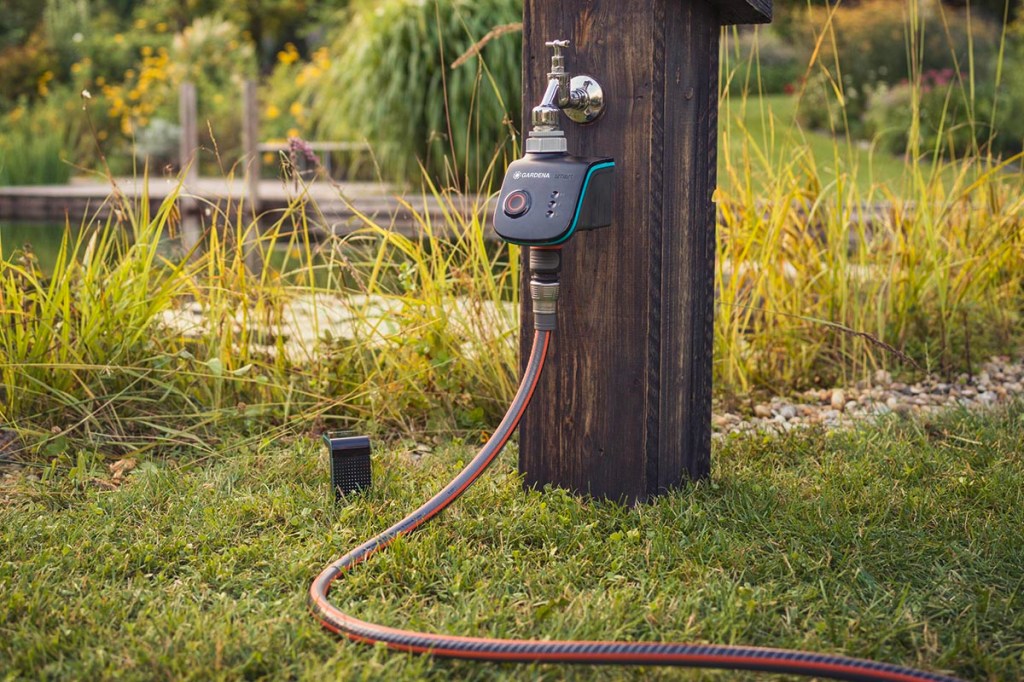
293	132
321	58
41	83
268	157
76	67
295	109
146	50
118	38
161	27
289	55
271	112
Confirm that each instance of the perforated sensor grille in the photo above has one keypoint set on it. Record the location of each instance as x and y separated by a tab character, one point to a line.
350	471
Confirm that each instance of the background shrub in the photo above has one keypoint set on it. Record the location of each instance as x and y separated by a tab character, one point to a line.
949	121
24	69
393	84
871	44
37	142
779	64
835	106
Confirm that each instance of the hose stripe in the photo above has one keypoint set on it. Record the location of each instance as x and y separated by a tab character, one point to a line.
582	652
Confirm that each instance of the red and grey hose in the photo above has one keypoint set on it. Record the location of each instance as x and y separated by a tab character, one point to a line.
583	652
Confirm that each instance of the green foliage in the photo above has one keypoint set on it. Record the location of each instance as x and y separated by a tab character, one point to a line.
949	121
866	44
999	100
392	83
994	9
920	258
17	22
217	57
926	78
424	340
268	24
26	70
66	22
774	65
900	543
825	105
37	144
945	121
109	49
285	113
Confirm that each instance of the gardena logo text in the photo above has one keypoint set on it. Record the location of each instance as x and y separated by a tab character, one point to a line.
519	174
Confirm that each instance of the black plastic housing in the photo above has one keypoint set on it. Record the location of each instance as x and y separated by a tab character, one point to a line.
350	462
546	197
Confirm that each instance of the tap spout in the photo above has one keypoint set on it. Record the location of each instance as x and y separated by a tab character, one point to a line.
545	115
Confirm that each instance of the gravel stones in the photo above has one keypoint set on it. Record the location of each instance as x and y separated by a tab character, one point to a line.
838	399
999	381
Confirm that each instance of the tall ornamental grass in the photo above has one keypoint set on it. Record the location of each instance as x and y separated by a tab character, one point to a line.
820	279
129	344
393	81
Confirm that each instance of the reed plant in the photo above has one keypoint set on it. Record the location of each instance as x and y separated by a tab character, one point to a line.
820	278
394	82
129	344
35	145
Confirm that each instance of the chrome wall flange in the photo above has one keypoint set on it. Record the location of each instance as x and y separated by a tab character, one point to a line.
586	100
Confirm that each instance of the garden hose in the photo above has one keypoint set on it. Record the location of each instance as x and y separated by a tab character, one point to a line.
580	652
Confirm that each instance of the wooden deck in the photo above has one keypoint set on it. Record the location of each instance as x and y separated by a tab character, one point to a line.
333	207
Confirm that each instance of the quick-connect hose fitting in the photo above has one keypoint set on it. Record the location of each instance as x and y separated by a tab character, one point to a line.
545	305
545	264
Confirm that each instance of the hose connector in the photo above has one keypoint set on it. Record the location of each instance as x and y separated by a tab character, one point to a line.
545	264
544	296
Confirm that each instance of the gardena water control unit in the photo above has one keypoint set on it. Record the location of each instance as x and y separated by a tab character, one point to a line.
546	197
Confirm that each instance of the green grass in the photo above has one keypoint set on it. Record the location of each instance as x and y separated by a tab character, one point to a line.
770	122
901	542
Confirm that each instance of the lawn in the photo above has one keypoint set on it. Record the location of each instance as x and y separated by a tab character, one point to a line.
902	542
767	125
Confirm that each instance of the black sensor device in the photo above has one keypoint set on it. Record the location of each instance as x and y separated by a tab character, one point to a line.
350	462
546	197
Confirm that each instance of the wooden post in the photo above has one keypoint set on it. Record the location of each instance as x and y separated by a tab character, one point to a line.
252	161
624	407
188	158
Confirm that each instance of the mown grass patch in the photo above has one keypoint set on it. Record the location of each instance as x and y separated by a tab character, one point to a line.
901	542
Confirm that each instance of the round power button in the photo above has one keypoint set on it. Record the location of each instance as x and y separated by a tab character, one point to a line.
516	203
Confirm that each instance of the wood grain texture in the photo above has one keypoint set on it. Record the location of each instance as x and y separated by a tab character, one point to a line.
623	409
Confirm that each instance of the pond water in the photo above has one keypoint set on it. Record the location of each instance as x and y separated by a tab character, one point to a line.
44	239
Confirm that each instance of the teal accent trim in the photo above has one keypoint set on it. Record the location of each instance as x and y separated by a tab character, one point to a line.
583	193
579	206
